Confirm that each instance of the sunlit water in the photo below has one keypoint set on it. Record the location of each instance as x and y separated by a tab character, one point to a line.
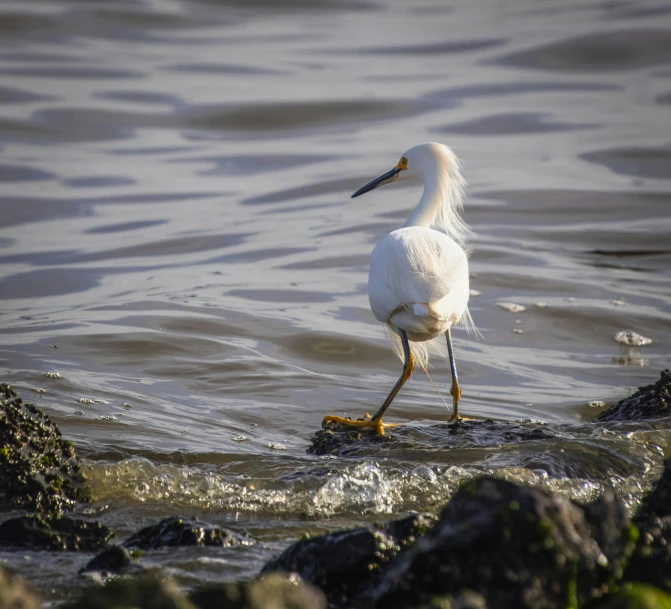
178	243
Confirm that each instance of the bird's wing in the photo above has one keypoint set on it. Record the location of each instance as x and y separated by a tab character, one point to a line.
417	265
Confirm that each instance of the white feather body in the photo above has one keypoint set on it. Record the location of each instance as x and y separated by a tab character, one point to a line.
418	279
418	282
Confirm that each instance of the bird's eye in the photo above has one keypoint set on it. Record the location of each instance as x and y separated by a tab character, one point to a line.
404	161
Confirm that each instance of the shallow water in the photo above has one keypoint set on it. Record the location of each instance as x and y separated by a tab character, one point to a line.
178	242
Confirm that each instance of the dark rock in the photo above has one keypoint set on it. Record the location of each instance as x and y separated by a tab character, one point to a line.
464	600
14	594
54	534
175	531
634	596
651	402
339	440
651	561
658	502
146	592
519	547
516	546
114	560
274	591
39	470
340	564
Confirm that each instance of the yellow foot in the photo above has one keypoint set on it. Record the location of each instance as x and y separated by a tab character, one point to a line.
365	423
457	419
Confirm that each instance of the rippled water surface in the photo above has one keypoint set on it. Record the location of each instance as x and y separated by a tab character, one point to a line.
177	241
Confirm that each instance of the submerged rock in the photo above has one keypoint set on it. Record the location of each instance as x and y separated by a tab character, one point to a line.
650	402
341	564
339	440
54	534
176	531
39	470
14	594
112	561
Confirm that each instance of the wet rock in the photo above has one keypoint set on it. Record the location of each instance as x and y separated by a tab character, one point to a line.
658	502
114	560
176	531
634	596
145	592
651	561
54	534
650	402
341	563
274	591
335	439
518	547
340	440
14	594
39	470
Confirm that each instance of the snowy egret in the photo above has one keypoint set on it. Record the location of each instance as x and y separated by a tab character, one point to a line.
418	278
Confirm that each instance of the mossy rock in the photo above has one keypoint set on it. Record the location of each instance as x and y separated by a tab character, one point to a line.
342	563
55	534
177	531
635	596
650	402
39	470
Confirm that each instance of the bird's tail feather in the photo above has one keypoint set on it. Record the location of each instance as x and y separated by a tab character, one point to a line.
467	323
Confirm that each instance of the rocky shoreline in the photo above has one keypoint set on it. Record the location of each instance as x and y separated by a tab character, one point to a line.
495	544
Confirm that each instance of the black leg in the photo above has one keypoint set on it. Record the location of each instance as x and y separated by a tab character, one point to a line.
455	390
408	367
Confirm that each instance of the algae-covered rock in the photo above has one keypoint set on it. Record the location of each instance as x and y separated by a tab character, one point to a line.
54	534
39	470
650	402
651	561
518	547
176	531
634	596
336	439
341	563
274	591
145	592
14	594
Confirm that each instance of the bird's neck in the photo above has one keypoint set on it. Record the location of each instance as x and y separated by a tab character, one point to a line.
441	202
429	205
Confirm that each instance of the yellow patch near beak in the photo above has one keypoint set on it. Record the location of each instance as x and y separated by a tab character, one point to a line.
402	164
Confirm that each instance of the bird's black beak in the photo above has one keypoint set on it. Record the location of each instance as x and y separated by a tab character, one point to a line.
387	178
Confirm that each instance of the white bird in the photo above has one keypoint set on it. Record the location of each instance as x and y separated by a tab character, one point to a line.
418	278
